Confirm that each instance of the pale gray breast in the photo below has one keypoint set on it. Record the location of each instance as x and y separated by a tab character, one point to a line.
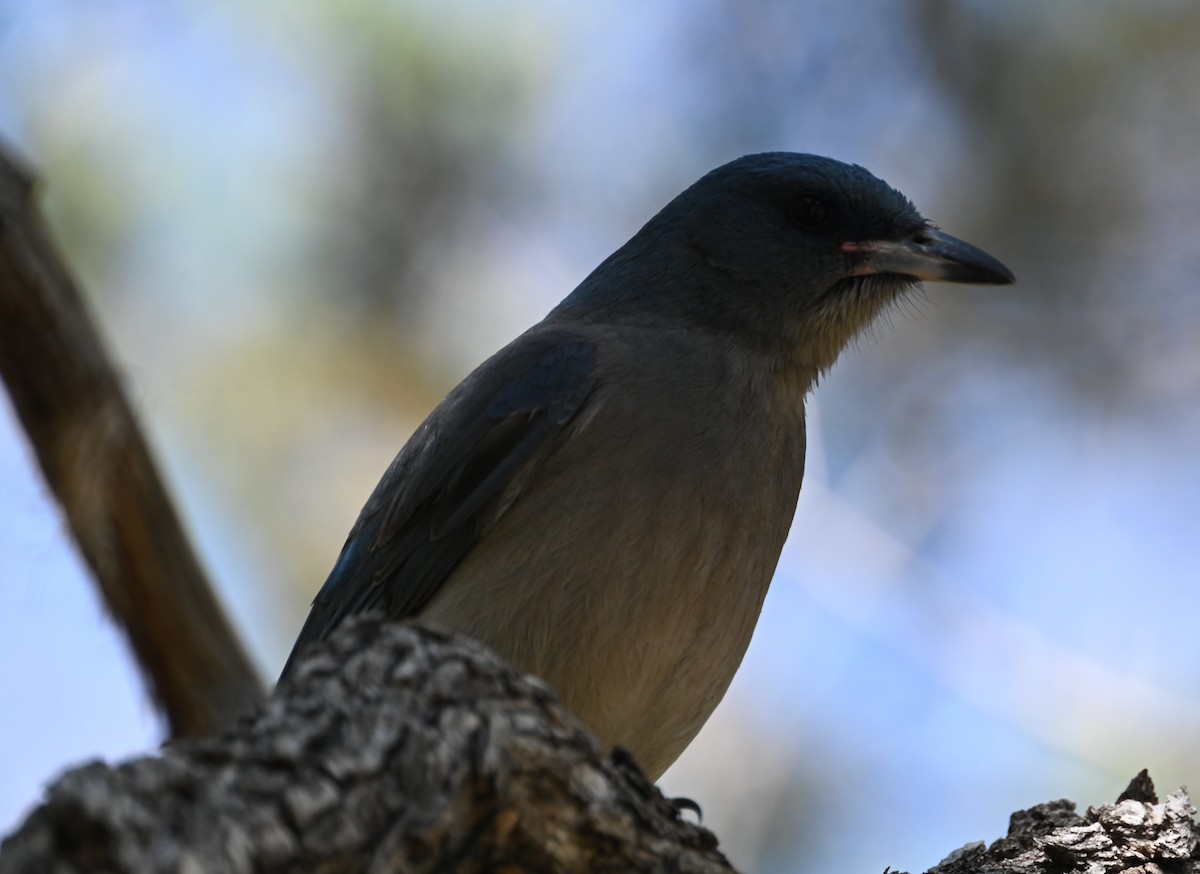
630	570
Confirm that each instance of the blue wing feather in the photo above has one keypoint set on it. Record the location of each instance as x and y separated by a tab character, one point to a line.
425	514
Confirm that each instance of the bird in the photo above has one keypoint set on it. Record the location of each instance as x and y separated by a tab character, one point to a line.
603	502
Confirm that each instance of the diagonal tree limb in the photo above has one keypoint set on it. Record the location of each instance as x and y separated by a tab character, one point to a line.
69	399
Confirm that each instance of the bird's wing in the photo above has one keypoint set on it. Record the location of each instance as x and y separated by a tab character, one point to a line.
425	514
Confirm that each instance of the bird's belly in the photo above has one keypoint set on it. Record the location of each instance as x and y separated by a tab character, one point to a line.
644	597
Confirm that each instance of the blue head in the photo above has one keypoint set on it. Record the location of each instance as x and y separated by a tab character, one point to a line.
795	251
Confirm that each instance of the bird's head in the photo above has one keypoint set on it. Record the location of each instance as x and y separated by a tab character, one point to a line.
791	250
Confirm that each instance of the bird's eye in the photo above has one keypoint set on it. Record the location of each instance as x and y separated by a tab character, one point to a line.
809	212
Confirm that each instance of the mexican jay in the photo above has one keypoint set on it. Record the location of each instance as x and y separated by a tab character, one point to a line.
604	500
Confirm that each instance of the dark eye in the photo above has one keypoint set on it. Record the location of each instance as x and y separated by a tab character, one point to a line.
809	212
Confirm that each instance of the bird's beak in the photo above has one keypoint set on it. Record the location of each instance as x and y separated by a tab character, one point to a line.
928	255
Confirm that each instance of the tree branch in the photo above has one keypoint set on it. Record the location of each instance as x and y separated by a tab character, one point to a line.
390	748
68	397
396	748
1136	834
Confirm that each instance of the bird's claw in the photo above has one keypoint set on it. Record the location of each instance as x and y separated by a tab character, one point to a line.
682	804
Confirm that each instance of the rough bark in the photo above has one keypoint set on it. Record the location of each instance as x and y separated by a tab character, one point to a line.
395	748
1137	833
69	399
391	748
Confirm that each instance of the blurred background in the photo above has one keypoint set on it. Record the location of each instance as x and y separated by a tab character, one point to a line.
299	224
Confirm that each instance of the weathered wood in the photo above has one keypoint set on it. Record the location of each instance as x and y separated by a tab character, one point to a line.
390	748
395	748
69	399
1137	833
